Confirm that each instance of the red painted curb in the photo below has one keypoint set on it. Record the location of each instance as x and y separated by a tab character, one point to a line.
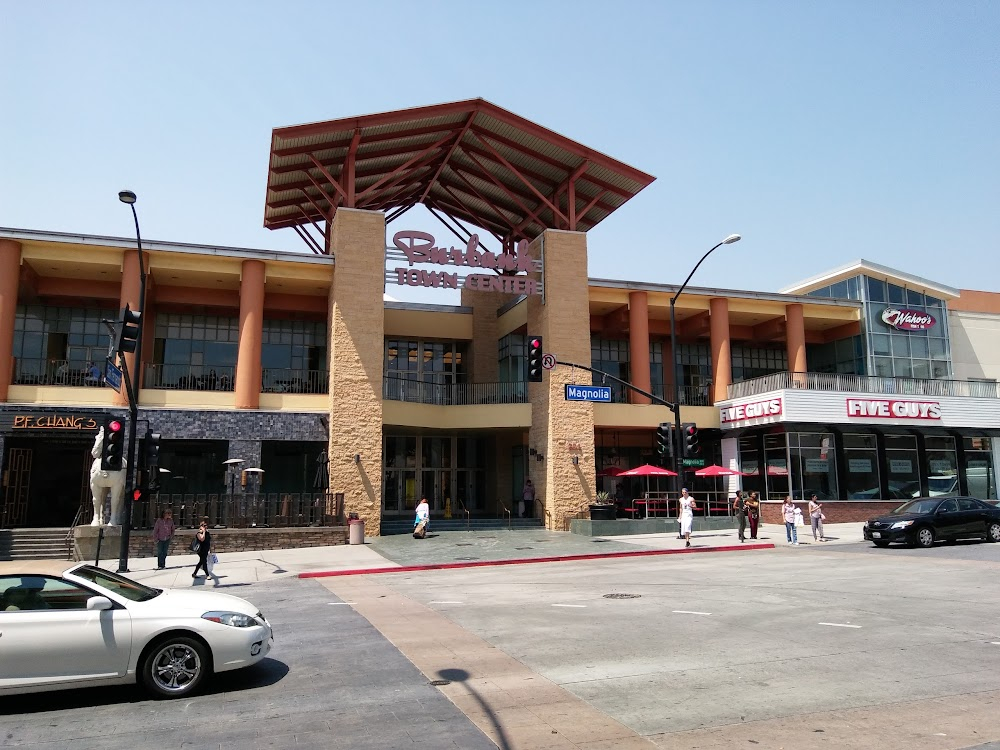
524	560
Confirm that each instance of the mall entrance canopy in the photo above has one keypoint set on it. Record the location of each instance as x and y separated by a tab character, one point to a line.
468	162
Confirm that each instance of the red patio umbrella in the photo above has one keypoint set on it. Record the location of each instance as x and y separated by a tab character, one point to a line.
610	471
648	470
717	471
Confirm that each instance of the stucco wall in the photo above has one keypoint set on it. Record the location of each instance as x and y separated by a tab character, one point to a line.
975	344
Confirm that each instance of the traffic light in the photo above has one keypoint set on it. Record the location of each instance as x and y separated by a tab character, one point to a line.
664	444
128	330
151	460
691	447
113	448
534	359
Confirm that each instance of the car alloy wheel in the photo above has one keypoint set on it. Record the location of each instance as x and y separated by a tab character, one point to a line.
174	667
925	537
993	532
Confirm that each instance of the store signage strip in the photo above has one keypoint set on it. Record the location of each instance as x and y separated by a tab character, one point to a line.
771	407
16	422
875	408
907	320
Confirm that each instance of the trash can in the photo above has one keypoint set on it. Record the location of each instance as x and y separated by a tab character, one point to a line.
357	530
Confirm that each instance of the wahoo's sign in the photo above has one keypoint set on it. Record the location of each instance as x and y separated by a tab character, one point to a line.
907	320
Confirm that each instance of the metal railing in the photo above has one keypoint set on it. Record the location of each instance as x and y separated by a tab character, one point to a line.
282	380
822	381
453	394
188	377
242	511
57	372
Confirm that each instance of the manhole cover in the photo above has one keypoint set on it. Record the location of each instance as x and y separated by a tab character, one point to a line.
466	559
600	541
464	544
439	683
622	596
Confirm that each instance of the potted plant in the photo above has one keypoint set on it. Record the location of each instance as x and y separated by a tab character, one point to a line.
603	508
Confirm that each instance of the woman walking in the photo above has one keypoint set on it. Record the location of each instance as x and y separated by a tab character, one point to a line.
203	540
788	513
163	533
740	510
688	508
753	514
816	518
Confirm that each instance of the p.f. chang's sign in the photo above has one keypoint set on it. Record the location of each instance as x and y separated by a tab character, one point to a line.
418	248
80	422
907	320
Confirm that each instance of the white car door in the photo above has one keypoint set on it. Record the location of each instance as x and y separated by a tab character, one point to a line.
47	634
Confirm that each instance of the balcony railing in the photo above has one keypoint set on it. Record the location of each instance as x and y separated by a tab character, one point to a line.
821	381
689	395
279	380
57	372
453	394
241	511
188	377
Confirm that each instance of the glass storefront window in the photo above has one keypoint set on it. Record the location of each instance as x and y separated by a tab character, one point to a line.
897	295
813	465
750	464
941	466
776	459
902	465
876	290
980	473
861	461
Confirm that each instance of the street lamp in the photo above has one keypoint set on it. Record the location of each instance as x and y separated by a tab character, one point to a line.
675	360
128	197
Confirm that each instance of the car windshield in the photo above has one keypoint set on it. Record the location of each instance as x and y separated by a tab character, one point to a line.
117	584
916	506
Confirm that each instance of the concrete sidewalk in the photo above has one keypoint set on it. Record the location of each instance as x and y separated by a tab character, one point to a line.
451	548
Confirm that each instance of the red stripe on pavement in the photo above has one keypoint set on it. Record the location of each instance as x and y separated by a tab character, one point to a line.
524	560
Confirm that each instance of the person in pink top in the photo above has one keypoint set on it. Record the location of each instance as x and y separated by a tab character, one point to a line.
788	513
163	532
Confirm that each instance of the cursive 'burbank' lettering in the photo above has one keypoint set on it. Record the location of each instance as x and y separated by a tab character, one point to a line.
419	247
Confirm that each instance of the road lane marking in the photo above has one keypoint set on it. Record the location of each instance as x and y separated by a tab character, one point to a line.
839	625
580	606
689	612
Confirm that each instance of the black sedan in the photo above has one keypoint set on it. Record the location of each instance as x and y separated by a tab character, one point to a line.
929	519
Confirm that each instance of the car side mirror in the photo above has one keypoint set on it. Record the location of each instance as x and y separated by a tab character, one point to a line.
99	603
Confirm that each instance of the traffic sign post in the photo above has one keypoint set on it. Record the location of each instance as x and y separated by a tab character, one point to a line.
548	361
600	393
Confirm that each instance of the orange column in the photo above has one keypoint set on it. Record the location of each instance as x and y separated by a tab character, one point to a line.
638	339
251	334
722	361
795	337
10	270
129	295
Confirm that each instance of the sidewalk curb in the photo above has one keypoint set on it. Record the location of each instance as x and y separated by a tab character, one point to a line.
525	560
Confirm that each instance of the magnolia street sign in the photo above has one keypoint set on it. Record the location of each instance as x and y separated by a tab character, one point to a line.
600	393
418	248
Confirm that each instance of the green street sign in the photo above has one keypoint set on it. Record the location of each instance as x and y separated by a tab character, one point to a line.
697	463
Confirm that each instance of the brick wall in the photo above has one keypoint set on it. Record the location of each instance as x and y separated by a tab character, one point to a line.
835	511
240	540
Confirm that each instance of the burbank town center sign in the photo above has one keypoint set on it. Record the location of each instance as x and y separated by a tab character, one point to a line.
499	272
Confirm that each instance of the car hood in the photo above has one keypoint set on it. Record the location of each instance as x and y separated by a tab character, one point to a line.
195	603
889	520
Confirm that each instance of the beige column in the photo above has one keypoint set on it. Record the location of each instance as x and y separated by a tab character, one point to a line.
129	295
795	338
638	339
485	365
10	271
563	321
357	350
722	360
247	384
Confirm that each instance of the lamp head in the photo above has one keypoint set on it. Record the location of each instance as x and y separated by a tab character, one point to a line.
731	239
126	196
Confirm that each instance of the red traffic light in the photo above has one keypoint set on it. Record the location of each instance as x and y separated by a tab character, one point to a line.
535	343
114	425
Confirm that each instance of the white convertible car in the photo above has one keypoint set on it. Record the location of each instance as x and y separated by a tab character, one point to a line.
65	625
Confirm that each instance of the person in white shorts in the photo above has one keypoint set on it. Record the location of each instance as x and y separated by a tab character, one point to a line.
688	507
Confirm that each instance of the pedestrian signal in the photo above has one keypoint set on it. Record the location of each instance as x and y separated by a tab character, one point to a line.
663	441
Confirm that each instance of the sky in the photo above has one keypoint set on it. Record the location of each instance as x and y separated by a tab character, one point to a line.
822	132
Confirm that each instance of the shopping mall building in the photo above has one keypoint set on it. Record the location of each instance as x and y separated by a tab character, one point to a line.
864	384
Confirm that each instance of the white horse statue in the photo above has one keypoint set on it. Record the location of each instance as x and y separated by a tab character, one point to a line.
102	481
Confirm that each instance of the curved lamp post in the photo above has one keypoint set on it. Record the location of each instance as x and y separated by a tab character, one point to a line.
128	197
675	362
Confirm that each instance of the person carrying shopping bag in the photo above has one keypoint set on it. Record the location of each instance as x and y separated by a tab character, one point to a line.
788	513
202	545
816	517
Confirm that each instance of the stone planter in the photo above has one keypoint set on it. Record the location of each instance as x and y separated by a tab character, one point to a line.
603	512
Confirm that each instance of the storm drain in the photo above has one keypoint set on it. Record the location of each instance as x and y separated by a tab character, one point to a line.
466	559
622	596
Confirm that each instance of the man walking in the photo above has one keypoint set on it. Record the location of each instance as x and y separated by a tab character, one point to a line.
163	533
740	509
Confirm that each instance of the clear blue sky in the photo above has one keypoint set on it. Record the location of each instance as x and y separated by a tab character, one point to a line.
820	131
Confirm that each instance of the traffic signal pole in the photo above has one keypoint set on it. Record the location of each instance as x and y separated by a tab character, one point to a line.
133	393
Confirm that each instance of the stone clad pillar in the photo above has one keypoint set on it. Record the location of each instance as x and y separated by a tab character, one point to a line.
10	271
248	369
562	429
357	350
638	336
795	338
129	295
722	358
